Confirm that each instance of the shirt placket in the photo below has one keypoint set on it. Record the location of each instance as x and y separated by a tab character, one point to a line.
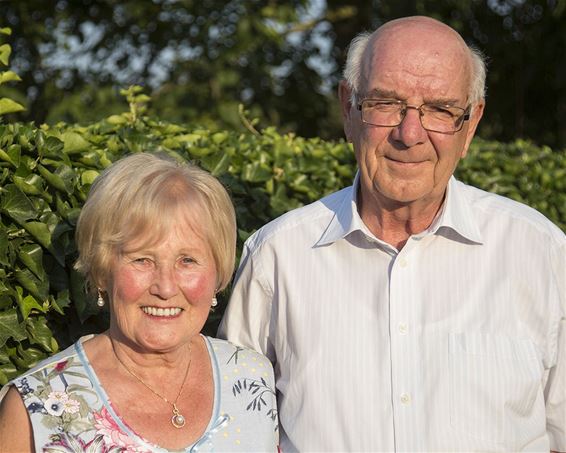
406	396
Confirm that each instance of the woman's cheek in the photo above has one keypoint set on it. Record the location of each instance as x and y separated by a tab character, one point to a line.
129	285
198	288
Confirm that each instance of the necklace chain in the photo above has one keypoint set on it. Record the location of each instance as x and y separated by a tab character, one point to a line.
178	420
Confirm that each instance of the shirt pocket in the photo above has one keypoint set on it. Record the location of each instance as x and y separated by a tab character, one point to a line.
495	388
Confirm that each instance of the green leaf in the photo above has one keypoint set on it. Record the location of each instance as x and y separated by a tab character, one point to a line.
5	51
7	158
117	120
41	335
10	327
15	155
141	98
6	31
7	372
28	357
52	179
256	172
30	185
9	106
61	302
9	76
37	287
74	143
32	256
4	357
3	250
40	232
52	147
15	204
28	304
217	163
89	176
219	137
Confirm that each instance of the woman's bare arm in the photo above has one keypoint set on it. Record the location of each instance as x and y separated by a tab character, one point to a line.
16	435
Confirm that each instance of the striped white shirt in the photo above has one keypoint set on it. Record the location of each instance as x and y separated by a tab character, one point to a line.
455	343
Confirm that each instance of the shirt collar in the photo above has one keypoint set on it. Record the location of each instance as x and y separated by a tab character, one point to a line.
346	218
455	215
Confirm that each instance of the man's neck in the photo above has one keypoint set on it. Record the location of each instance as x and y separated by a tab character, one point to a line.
395	222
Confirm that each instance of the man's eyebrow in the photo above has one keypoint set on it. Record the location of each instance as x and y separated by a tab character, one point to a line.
384	94
378	93
443	101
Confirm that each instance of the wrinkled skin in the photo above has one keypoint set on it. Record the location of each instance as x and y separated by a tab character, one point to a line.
405	169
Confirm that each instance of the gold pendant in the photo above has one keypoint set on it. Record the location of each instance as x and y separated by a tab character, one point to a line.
178	421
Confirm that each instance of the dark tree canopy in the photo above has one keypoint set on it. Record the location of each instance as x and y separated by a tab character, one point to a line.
200	59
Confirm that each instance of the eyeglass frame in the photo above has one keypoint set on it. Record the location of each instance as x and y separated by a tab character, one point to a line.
465	116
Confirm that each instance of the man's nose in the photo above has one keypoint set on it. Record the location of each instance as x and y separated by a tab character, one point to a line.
410	132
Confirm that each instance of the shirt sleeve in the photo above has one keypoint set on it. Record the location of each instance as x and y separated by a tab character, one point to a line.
555	391
247	319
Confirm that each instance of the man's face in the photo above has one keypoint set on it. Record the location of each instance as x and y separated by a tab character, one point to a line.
407	164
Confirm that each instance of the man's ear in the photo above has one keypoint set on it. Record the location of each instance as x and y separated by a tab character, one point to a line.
475	117
344	94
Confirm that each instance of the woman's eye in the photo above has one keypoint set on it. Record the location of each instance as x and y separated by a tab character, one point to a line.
142	261
187	260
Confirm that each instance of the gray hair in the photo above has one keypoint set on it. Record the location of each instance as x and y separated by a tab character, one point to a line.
358	46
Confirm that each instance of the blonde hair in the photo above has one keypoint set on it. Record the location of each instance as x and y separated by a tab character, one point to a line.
138	196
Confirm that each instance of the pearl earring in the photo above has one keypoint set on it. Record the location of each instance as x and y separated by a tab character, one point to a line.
214	302
100	301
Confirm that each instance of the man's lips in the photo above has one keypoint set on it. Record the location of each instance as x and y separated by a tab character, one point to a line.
405	162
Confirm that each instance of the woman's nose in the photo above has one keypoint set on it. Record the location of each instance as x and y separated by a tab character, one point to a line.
164	284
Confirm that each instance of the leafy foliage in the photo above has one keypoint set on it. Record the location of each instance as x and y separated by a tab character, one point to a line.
202	58
282	59
7	105
46	172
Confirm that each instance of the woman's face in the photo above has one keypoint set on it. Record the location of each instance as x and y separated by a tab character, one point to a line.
160	294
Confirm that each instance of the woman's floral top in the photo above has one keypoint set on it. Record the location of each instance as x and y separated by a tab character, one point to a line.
70	411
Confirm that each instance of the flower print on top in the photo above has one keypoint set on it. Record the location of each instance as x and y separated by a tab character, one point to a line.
70	411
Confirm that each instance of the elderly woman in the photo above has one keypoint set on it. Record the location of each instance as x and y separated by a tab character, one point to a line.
156	238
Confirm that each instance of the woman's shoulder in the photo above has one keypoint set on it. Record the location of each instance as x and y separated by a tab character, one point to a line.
246	394
235	354
58	361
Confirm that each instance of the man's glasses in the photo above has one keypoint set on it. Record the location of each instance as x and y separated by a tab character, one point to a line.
444	119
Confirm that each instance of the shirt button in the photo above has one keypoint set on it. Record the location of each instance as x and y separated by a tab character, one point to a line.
403	328
405	398
402	262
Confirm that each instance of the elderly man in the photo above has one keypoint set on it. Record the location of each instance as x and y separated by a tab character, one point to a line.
410	312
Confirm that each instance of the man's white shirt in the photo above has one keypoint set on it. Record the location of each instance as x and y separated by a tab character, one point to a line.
455	343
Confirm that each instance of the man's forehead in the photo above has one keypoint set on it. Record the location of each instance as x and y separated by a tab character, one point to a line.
416	25
416	55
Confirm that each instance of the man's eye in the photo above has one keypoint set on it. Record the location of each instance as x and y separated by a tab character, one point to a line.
384	105
439	110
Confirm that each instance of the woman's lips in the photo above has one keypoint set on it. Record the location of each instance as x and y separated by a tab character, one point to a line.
160	312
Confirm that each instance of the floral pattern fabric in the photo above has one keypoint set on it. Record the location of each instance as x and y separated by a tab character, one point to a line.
70	411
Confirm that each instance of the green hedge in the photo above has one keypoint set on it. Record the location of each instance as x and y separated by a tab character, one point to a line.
45	175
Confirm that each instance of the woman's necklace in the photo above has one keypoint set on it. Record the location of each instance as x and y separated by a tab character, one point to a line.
177	420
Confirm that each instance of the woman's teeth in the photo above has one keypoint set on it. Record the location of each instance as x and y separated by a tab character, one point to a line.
154	311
